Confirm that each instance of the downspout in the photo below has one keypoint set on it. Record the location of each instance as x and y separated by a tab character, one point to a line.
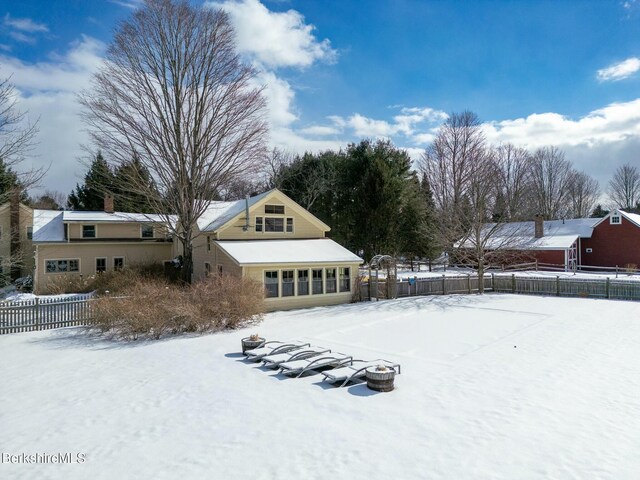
246	214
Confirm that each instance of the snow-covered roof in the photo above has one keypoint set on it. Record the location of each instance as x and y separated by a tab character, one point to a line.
115	217
48	226
219	213
321	250
633	217
521	235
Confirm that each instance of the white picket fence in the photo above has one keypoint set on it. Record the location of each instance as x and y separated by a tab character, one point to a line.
44	313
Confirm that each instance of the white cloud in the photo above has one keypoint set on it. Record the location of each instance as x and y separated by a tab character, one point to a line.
275	39
24	24
620	70
320	130
132	4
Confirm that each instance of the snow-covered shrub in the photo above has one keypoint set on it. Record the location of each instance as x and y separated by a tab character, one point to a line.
154	308
24	284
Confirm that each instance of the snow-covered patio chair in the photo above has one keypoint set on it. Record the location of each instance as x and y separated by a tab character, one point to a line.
300	366
357	369
274	347
275	360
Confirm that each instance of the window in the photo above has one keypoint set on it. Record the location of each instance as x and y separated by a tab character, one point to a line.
258	224
277	209
118	263
273	224
289	225
331	280
88	231
219	269
147	231
589	250
207	268
345	279
271	283
66	231
62	266
30	233
208	245
303	282
287	283
101	265
615	220
317	281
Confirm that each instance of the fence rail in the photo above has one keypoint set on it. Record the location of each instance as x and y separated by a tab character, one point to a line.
44	313
611	288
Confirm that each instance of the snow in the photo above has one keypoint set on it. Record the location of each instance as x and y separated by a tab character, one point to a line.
321	250
48	226
116	217
219	213
493	386
456	272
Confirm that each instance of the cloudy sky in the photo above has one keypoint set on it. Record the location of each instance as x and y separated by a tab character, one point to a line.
564	73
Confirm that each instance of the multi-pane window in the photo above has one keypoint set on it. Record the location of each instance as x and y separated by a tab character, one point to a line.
118	263
62	266
273	224
30	232
289	225
208	243
101	265
275	209
287	283
207	268
259	224
615	219
147	231
345	279
303	282
317	281
88	231
331	280
271	283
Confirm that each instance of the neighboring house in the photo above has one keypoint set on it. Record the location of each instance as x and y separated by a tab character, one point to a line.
16	248
273	240
86	243
599	242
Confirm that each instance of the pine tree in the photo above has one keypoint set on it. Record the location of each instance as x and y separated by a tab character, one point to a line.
9	183
126	199
98	182
599	212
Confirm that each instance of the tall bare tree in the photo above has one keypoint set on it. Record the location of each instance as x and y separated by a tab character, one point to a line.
624	187
174	93
514	181
583	194
551	176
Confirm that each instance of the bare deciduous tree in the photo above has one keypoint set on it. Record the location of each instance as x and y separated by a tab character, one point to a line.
174	93
624	187
550	178
514	177
582	195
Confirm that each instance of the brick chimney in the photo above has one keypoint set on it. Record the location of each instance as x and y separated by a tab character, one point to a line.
539	226
108	203
15	247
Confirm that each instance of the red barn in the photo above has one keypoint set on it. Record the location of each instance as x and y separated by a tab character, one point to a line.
614	241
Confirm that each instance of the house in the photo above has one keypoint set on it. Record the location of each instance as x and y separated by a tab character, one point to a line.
86	243
586	242
273	240
16	247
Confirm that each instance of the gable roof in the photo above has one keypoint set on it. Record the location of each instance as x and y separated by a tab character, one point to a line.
632	217
48	226
220	214
257	252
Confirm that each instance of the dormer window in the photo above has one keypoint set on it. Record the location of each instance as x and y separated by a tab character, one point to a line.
88	231
274	209
615	219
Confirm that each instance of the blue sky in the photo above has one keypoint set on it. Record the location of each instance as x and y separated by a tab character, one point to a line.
563	73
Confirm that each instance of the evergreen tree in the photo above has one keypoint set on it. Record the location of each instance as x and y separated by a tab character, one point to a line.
126	198
98	181
599	212
9	183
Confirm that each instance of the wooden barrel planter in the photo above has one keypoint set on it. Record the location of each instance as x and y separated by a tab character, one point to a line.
380	380
249	343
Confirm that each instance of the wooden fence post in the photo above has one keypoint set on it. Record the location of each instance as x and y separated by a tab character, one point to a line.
606	288
513	283
557	285
493	285
469	282
37	310
616	271
444	284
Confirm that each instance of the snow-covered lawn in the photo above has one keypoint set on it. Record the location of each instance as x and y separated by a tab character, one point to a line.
494	386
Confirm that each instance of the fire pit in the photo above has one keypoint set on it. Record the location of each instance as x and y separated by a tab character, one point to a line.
380	378
251	342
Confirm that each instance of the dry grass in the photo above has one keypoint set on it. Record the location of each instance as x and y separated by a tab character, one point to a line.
153	308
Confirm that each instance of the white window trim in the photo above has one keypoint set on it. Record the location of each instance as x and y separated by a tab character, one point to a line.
57	260
153	231
619	217
284	208
95	263
113	262
309	271
588	250
293	226
95	229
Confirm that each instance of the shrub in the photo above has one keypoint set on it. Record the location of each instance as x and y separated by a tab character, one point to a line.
631	268
154	308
